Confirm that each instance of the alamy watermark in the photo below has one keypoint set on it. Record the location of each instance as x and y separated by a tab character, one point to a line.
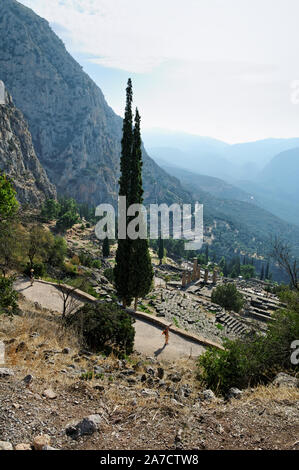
2	93
136	221
295	353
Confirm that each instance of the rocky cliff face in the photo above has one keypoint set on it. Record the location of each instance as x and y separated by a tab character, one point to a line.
75	133
18	159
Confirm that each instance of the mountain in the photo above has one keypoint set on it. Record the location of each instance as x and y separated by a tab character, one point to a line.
193	152
276	186
233	221
75	133
77	136
282	172
212	157
258	153
215	186
18	159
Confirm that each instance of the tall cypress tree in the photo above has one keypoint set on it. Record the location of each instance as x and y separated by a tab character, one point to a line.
106	248
262	273
161	249
141	271
207	254
122	260
267	271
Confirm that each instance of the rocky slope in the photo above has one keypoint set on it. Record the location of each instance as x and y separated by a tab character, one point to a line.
18	159
140	403
75	133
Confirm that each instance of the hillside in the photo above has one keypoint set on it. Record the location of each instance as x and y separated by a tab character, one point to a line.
75	133
18	159
215	186
282	172
276	187
234	219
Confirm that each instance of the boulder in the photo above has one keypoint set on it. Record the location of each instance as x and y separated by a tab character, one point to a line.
41	441
234	393
285	380
49	393
208	395
84	427
5	445
4	372
23	446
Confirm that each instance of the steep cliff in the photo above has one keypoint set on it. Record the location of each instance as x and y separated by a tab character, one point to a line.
75	133
18	159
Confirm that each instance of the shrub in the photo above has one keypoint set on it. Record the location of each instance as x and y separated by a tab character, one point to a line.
57	251
254	359
8	296
70	269
50	210
75	260
109	274
248	271
66	221
228	297
104	328
39	269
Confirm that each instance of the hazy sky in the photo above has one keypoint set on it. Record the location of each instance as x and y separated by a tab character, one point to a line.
220	68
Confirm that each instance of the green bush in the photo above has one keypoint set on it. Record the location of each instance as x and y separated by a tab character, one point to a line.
109	274
88	261
50	210
66	221
57	252
228	297
104	328
254	359
8	296
39	270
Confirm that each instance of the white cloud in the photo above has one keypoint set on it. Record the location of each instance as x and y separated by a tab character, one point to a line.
226	65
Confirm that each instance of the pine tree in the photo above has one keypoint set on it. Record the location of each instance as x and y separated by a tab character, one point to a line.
267	271
161	249
122	260
106	248
141	271
207	254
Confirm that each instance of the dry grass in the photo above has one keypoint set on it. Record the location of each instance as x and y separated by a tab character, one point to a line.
30	335
272	393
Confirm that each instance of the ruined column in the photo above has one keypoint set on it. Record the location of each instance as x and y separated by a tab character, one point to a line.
189	279
194	272
198	274
215	276
206	276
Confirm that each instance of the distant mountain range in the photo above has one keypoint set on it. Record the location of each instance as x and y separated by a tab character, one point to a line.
267	170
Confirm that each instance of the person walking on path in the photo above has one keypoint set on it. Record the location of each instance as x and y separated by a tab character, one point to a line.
31	276
166	333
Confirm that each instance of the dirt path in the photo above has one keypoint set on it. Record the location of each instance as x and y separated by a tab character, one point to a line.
148	338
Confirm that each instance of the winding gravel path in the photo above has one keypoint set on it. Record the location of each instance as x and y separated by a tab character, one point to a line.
148	337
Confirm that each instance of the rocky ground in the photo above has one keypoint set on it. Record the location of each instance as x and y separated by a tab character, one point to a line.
54	395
